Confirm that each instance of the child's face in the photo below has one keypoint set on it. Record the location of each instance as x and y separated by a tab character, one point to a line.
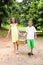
30	23
13	20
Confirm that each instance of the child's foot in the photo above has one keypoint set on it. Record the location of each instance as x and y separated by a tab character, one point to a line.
29	53
32	54
17	52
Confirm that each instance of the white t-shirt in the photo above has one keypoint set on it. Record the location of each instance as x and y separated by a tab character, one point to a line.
30	32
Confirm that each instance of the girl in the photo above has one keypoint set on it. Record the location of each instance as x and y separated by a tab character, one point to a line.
14	33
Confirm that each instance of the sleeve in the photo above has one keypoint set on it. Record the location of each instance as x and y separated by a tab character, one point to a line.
35	29
26	29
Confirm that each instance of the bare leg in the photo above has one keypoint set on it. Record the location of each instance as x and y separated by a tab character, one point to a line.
17	46
14	46
31	51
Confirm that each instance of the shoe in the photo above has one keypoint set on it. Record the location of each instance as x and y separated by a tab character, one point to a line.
29	53
32	54
17	52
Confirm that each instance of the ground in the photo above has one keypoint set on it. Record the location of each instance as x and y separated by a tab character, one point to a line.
8	57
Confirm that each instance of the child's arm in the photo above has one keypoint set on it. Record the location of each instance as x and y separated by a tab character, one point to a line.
20	33
8	32
35	35
18	30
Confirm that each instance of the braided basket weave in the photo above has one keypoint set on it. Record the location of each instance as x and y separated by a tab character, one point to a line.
22	40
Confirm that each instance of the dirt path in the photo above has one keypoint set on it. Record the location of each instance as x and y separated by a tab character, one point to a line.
7	56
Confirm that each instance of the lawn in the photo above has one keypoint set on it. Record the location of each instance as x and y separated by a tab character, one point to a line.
3	33
4	29
20	27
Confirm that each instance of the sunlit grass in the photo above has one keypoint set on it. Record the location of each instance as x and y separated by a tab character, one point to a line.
5	26
20	27
4	29
3	33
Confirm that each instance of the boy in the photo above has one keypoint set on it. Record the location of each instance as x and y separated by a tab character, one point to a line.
31	32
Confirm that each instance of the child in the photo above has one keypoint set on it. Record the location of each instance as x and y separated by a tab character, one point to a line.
14	33
30	31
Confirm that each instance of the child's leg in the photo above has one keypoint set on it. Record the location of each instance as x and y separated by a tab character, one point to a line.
32	50
32	46
31	42
16	46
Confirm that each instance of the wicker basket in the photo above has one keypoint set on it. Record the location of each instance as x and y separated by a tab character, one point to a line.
22	40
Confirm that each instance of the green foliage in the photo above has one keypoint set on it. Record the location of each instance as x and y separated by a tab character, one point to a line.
23	11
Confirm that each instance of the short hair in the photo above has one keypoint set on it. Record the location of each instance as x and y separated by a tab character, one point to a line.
30	20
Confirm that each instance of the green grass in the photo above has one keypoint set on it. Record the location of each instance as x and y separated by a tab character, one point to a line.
3	33
4	29
5	26
40	37
20	27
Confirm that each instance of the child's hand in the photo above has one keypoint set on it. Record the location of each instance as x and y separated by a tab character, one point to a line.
20	34
23	35
36	38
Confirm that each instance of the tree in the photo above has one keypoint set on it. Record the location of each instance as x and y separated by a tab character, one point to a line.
23	11
8	8
4	10
40	10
